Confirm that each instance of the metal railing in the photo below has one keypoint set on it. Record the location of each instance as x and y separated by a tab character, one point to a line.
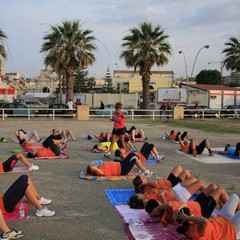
133	114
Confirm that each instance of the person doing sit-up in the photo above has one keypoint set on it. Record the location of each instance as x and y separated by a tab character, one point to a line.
117	168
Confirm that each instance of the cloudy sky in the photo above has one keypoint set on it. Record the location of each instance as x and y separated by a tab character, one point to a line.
190	24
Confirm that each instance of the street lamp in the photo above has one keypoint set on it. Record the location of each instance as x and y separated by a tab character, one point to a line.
181	52
206	46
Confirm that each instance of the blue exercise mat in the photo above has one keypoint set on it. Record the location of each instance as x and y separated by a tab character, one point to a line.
228	155
119	196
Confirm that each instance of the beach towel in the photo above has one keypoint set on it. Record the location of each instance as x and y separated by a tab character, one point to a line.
15	214
138	225
61	156
85	176
119	196
18	169
205	158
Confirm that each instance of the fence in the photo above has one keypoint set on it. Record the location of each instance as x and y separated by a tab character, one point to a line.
151	114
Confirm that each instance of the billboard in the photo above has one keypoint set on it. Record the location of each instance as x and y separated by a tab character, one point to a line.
176	95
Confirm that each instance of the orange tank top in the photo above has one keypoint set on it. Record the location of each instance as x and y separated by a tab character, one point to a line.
45	152
141	157
1	168
218	228
118	121
110	168
163	183
172	137
185	148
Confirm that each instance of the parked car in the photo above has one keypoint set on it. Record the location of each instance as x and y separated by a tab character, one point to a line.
38	106
200	111
17	109
108	110
230	110
58	109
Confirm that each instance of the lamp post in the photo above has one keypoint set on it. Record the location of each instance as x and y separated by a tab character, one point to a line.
181	52
185	62
206	46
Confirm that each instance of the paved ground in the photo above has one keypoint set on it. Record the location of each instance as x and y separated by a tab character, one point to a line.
82	209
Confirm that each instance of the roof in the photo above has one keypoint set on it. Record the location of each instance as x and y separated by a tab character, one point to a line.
212	87
39	95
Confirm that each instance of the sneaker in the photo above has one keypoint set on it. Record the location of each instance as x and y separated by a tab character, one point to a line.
212	152
44	201
39	140
95	150
3	140
33	168
147	173
107	154
44	213
133	149
74	139
161	157
12	234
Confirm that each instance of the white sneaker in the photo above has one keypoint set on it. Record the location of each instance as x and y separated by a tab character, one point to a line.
33	168
95	151
74	139
107	154
147	173
44	201
161	157
44	213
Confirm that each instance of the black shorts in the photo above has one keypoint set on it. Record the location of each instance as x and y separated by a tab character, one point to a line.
173	179
128	163
119	131
207	204
9	164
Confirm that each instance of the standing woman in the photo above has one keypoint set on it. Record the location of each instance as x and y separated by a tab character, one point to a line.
118	127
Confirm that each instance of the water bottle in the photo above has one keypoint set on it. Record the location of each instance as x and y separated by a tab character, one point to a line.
21	211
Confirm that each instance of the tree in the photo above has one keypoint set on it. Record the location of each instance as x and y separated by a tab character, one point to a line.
232	54
143	48
71	47
213	77
3	37
108	81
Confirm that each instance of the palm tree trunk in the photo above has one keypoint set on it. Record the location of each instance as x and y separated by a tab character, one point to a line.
69	80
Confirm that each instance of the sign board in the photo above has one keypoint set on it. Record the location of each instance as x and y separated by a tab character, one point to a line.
176	95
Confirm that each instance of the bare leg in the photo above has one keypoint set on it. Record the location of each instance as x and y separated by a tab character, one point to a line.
3	226
142	133
113	140
24	160
208	146
122	139
185	174
177	170
139	164
196	186
155	152
133	135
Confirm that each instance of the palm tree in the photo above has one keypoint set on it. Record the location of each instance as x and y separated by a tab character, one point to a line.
3	52
145	47
72	48
232	54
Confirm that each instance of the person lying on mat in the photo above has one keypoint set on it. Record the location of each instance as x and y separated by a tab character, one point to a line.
146	150
226	225
180	192
203	205
58	134
49	148
23	186
29	135
177	175
132	133
234	151
117	168
176	136
9	164
104	146
196	148
103	137
7	232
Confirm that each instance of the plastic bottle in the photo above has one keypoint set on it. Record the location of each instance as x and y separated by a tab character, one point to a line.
21	211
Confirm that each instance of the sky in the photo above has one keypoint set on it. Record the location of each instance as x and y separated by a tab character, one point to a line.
190	24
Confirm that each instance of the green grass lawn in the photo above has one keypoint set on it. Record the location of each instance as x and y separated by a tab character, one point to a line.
212	125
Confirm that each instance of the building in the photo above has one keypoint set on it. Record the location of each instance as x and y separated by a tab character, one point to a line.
214	96
128	81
